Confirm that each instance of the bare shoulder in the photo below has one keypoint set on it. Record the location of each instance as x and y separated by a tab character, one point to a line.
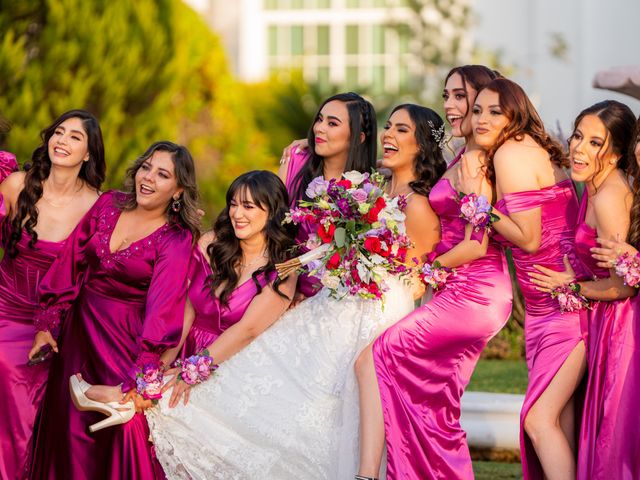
205	240
13	184
418	207
613	192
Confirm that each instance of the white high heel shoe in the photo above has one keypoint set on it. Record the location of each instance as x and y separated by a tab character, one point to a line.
118	413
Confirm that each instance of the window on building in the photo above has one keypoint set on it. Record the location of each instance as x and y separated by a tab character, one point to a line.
352	39
297	40
322	45
378	39
273	40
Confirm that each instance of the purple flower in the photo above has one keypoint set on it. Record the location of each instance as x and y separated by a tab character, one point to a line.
359	195
317	187
343	206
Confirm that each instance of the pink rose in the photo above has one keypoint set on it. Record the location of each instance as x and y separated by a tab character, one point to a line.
204	367
189	373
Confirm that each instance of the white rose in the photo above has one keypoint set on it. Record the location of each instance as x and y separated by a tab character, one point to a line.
355	177
330	281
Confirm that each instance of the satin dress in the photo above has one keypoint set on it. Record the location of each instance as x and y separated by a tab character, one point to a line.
308	286
212	317
424	362
550	336
120	309
21	386
609	447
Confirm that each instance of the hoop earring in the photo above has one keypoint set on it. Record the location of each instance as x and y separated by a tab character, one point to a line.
176	205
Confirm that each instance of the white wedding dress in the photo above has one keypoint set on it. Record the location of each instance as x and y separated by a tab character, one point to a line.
286	406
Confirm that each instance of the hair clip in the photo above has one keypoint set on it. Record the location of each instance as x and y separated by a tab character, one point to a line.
438	134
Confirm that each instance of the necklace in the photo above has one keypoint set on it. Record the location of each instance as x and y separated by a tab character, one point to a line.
59	205
254	261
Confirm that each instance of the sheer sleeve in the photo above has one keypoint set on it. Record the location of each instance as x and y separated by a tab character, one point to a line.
165	303
63	281
8	164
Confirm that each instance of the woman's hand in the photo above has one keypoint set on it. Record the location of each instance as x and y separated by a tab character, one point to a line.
469	178
139	401
40	340
178	388
610	250
549	279
302	144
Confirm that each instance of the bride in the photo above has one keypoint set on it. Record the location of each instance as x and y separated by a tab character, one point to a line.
286	406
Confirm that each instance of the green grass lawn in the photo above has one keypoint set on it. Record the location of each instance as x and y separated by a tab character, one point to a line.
497	471
499	376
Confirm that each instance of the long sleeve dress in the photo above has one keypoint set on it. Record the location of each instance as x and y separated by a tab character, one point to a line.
424	362
608	442
550	335
21	386
114	310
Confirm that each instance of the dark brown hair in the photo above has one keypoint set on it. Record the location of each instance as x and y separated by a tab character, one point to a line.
92	172
185	173
523	120
362	155
269	194
634	173
429	164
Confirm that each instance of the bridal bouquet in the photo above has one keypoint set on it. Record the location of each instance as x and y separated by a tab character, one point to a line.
359	235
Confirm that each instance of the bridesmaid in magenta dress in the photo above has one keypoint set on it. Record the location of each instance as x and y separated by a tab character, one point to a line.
122	278
247	241
537	210
424	362
599	146
66	171
331	154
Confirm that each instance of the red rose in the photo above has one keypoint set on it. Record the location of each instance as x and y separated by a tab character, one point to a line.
344	183
372	244
402	254
326	235
380	203
334	261
372	215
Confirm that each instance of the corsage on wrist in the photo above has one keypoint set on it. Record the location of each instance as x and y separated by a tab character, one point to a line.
435	275
149	380
477	211
628	268
196	368
570	298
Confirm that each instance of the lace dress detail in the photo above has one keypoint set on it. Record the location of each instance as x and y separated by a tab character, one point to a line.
284	407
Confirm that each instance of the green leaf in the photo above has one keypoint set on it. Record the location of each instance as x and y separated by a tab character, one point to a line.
339	236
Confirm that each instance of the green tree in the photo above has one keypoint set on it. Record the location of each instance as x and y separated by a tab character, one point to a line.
149	69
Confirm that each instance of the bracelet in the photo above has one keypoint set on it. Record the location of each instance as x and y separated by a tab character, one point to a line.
196	368
477	211
628	267
149	380
570	298
435	275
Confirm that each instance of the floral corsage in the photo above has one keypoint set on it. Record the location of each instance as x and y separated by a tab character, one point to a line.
628	268
435	275
196	368
149	380
570	298
477	211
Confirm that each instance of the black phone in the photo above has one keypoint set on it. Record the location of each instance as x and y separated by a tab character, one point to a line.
43	354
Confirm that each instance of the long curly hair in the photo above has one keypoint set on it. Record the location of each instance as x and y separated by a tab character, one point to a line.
523	120
429	164
633	172
185	171
362	154
268	193
92	172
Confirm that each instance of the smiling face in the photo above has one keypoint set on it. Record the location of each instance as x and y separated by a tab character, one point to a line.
68	146
487	119
248	219
331	130
156	182
399	141
590	151
457	100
